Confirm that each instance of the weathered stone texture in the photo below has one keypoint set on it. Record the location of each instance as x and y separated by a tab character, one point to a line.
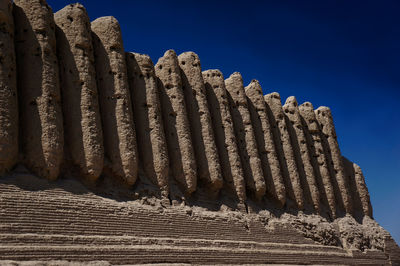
176	124
248	151
224	132
318	155
38	88
285	149
148	118
265	142
208	166
115	103
362	190
8	90
83	131
358	189
300	148
324	117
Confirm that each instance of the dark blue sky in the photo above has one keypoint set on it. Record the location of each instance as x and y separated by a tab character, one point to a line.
338	53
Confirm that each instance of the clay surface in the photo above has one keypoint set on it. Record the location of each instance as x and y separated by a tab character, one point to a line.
148	118
324	117
265	142
300	149
115	103
176	124
318	159
8	90
248	151
41	122
208	165
224	132
285	149
83	131
362	190
358	189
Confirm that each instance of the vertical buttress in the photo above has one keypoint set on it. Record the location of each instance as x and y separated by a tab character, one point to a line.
300	148
224	132
83	133
319	161
358	189
248	151
208	165
176	124
41	122
324	117
285	149
265	142
362	190
152	146
8	90
115	103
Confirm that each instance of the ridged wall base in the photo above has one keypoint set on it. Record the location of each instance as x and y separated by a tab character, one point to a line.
64	221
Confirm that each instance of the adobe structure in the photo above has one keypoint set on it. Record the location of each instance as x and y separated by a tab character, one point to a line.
108	159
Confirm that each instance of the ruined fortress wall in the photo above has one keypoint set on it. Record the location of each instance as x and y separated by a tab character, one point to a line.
163	163
193	128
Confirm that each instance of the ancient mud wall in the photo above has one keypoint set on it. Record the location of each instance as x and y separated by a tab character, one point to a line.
170	126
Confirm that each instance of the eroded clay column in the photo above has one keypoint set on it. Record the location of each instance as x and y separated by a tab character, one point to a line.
41	120
306	170
349	171
8	90
176	124
115	103
248	151
83	132
208	165
362	190
224	132
318	155
148	119
286	155
324	117
265	142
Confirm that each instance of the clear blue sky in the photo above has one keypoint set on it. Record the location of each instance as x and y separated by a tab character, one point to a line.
338	53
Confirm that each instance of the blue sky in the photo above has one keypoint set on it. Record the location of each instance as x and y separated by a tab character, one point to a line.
338	53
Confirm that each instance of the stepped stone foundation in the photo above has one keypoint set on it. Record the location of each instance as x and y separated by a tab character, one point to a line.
165	163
